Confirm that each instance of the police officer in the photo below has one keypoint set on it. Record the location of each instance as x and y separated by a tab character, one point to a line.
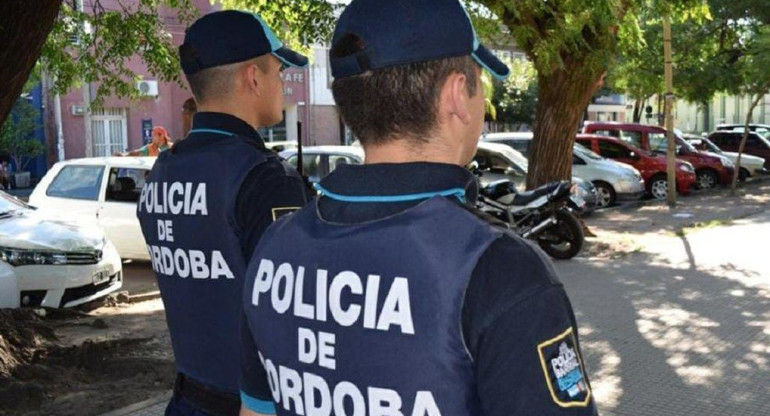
391	295
208	200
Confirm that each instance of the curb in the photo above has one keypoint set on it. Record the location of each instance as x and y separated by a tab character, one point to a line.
138	407
143	297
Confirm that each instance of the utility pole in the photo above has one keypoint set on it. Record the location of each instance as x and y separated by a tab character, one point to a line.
668	111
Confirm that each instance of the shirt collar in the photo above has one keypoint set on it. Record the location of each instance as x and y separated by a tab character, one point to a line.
398	179
227	123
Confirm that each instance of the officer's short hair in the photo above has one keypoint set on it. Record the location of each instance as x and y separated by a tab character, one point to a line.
400	101
219	81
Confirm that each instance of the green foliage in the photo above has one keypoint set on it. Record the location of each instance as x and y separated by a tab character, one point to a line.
16	132
95	45
516	98
755	64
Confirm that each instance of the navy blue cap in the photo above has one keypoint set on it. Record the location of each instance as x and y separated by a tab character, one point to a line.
231	36
399	32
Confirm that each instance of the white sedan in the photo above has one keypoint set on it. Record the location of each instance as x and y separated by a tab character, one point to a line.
102	191
51	263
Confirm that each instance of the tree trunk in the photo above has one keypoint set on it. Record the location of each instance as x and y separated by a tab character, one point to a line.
745	137
562	97
706	116
669	117
24	27
638	104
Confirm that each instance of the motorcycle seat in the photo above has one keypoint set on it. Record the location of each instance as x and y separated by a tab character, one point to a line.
524	198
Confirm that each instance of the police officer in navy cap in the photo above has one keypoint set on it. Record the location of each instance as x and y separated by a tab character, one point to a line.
208	200
391	295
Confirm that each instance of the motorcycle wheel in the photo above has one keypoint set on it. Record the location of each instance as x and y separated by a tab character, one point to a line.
564	239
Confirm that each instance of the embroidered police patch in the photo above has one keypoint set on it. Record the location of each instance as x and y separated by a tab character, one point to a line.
279	212
563	370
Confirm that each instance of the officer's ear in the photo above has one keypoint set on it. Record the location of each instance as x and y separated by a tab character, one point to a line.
253	77
455	100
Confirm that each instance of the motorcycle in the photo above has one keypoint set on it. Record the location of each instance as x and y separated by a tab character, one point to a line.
544	215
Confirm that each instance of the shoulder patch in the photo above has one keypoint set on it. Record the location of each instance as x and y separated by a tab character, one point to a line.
563	370
279	212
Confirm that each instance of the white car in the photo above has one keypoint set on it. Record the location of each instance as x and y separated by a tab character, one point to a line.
101	190
319	161
51	263
614	181
750	165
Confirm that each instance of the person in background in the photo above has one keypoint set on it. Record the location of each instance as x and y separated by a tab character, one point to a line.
189	108
161	142
5	176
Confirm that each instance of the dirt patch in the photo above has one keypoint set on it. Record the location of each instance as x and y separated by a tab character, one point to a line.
74	363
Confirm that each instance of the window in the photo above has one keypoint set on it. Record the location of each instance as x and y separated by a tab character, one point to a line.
125	184
77	182
577	161
613	150
634	138
311	165
336	161
109	130
658	142
608	133
522	146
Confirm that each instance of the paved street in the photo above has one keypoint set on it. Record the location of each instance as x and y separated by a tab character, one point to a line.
682	328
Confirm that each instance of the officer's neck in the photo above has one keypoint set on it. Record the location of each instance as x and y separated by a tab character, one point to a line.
245	113
433	150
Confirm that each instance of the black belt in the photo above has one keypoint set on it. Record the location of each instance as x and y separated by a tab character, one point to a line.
207	399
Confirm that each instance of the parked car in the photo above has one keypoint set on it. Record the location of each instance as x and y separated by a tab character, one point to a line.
319	161
710	169
101	190
762	128
750	165
613	180
651	166
757	144
51	263
498	161
521	140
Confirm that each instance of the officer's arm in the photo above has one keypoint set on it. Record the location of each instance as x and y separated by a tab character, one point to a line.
522	334
256	396
247	412
267	193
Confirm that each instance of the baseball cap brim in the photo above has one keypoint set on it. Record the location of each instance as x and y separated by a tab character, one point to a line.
490	62
290	58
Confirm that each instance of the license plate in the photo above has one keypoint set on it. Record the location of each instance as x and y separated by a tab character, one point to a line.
101	276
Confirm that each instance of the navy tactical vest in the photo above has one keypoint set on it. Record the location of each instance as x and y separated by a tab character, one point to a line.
187	214
365	319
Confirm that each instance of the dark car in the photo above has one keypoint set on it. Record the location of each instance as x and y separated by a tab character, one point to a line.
762	128
710	169
757	144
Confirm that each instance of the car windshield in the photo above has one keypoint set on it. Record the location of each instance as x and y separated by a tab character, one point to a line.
10	204
712	147
583	151
515	157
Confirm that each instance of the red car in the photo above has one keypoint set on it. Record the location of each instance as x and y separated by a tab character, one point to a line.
651	166
710	169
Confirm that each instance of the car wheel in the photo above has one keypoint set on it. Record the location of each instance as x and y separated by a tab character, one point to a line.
707	179
659	187
605	195
743	174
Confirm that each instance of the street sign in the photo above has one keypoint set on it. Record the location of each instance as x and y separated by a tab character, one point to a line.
146	130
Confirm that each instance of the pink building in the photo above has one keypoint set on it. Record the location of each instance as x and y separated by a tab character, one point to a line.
120	124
